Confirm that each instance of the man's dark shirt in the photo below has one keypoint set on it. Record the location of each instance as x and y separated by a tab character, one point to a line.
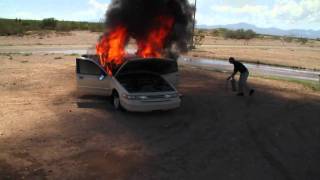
238	66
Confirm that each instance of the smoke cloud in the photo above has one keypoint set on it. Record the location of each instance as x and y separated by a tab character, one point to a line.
138	16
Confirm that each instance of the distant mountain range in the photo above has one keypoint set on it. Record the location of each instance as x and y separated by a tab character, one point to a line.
270	31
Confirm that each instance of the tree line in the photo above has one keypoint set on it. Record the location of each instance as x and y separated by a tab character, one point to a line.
20	27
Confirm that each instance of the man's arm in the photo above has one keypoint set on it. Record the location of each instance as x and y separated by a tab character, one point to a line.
233	74
235	70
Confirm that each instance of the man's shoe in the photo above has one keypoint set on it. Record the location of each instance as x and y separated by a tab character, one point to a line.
251	92
240	94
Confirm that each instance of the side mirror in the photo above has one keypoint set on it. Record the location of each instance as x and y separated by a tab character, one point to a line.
102	77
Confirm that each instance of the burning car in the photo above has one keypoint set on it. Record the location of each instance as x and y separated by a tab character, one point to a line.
146	82
139	84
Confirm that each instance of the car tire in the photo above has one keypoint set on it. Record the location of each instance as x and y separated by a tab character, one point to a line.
116	101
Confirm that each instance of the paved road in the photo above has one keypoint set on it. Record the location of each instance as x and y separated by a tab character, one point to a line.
264	70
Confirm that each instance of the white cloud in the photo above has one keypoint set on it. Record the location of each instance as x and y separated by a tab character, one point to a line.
292	11
94	12
98	5
247	9
282	11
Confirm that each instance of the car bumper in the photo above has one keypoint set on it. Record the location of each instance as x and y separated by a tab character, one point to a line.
146	106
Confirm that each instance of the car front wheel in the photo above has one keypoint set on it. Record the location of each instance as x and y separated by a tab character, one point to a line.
116	101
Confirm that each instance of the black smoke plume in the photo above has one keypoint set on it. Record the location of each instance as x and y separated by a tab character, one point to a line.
138	17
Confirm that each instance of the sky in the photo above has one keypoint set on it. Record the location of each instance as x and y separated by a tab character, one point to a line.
284	14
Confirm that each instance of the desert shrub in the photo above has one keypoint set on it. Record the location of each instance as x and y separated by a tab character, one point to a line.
218	32
240	34
83	26
249	34
276	37
96	27
200	31
287	39
74	25
20	27
260	36
49	23
198	38
10	28
63	26
302	40
215	32
31	25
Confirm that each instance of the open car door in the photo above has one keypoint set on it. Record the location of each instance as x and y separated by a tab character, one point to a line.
91	78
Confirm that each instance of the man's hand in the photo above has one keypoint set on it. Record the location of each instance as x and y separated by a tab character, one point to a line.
230	77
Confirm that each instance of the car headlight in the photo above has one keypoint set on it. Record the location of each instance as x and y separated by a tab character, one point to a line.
133	97
130	97
171	95
142	97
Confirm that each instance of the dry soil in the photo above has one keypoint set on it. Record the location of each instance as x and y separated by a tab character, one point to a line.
47	132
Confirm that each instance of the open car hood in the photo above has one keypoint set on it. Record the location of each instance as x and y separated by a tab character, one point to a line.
154	65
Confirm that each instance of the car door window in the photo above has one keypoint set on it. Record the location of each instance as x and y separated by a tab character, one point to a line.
88	68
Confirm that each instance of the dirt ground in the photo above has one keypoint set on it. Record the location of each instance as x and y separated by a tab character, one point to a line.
267	51
47	132
52	38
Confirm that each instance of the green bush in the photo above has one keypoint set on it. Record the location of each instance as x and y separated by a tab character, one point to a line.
11	28
199	38
302	40
287	39
20	27
63	26
49	23
84	26
96	27
239	34
218	32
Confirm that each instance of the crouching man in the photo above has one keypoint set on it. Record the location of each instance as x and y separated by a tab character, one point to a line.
244	73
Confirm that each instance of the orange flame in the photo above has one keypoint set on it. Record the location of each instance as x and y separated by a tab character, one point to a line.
111	48
153	45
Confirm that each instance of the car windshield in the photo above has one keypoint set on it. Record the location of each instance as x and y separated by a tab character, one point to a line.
143	82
